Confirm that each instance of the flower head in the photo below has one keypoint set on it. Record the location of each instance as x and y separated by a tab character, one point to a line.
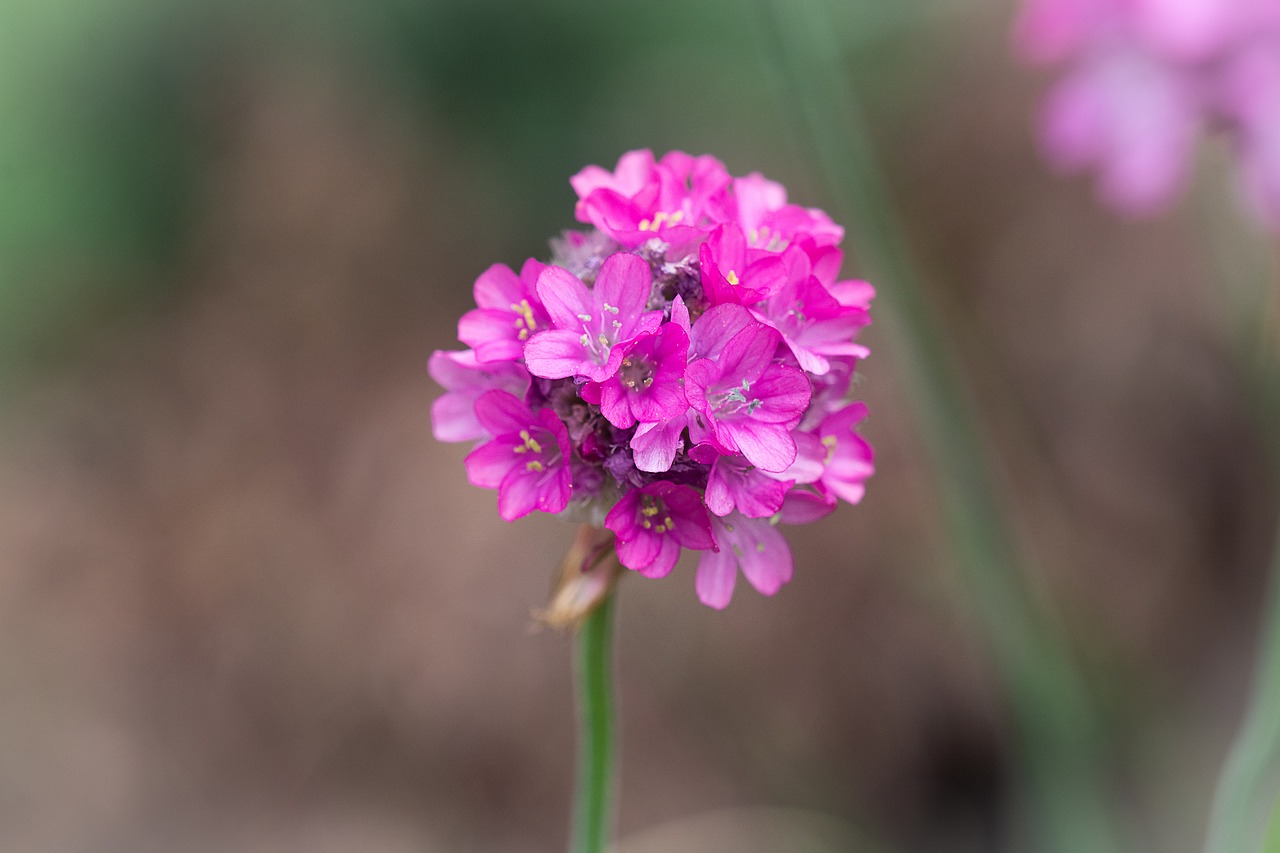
678	374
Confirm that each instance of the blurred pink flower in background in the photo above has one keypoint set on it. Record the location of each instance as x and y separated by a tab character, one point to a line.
1142	80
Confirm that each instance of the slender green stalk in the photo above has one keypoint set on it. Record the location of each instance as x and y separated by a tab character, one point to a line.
1247	790
593	796
1056	720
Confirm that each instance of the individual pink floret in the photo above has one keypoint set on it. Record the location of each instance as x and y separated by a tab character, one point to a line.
509	312
591	325
749	402
731	275
528	459
849	459
653	522
649	384
812	322
642	200
751	544
465	378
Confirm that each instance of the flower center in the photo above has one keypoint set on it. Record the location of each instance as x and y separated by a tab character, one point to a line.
650	509
636	372
525	324
734	401
599	343
530	445
661	219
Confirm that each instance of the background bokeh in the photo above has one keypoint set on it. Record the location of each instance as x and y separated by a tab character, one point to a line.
247	603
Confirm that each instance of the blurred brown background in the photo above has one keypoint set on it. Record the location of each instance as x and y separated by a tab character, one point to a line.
247	603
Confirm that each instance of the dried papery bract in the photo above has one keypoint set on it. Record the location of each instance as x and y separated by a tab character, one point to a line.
588	574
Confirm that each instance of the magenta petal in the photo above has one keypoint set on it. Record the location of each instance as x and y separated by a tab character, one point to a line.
749	352
517	495
717	575
491	333
718	497
716	328
555	354
453	418
810	459
783	393
664	400
654	445
803	507
640	551
766	558
680	314
665	561
699	376
501	413
624	283
497	287
489	463
614	404
769	447
564	296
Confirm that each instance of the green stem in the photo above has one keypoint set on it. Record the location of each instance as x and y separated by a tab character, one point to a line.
1055	718
1247	789
593	798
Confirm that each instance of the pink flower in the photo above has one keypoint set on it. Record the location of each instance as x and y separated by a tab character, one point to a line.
734	483
649	384
509	312
653	522
849	459
750	402
642	200
591	325
465	378
812	322
771	223
680	373
752	544
730	274
1133	119
527	460
1144	79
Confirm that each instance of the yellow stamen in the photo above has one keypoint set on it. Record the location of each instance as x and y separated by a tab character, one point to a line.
533	465
732	278
524	322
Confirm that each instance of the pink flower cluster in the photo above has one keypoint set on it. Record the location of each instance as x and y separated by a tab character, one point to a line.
679	373
1144	79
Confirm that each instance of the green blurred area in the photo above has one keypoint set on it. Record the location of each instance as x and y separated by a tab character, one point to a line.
105	132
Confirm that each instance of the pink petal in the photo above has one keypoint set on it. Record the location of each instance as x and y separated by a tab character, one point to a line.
769	447
555	354
765	558
564	296
501	413
624	283
654	445
489	463
717	574
492	334
498	287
